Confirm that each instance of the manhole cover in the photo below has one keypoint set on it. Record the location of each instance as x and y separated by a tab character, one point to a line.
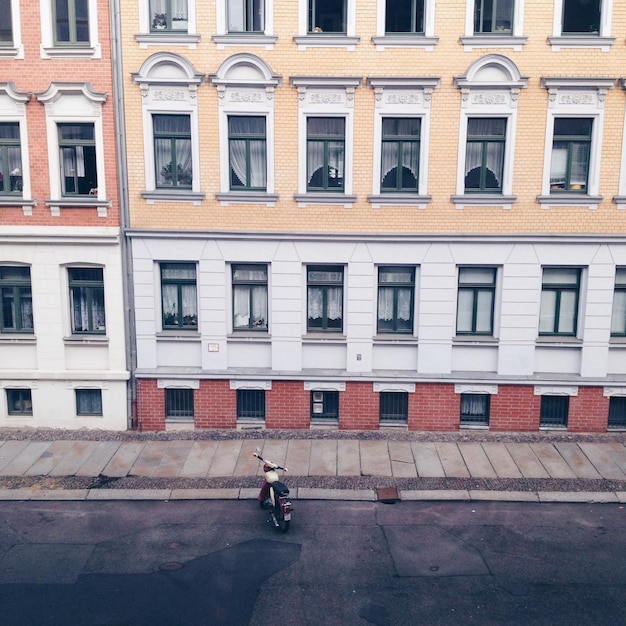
171	566
388	495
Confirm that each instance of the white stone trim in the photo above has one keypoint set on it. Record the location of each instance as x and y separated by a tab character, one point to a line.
545	390
393	387
472	388
324	386
264	385
614	392
174	383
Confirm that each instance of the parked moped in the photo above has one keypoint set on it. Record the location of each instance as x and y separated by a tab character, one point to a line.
274	495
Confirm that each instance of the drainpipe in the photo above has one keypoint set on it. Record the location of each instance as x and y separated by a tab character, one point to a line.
122	177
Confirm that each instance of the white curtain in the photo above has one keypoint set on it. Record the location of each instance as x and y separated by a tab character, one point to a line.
248	147
618	319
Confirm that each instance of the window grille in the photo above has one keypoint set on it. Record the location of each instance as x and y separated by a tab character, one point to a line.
251	403
475	409
554	411
179	404
394	406
617	412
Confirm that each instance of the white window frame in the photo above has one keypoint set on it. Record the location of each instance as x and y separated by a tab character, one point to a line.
305	40
513	40
620	198
246	86
223	38
74	103
489	89
16	51
147	38
402	97
427	40
169	85
49	49
603	41
325	97
13	109
575	97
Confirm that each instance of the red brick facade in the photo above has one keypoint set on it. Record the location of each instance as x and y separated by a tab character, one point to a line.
433	407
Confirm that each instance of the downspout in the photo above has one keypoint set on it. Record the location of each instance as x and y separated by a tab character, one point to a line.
122	177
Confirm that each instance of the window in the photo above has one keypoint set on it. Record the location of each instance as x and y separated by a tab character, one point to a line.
325	298
396	286
77	153
249	297
248	155
559	301
246	16
581	17
325	153
178	405
484	154
400	154
404	16
571	148
19	402
618	319
475	409
172	150
554	411
10	159
88	402
87	300
71	22
179	296
6	23
325	405
394	407
169	15
617	412
327	16
251	403
477	288
17	300
493	16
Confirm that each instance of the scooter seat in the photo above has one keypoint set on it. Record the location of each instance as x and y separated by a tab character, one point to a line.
280	489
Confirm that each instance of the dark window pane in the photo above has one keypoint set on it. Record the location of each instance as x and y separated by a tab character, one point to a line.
394	406
251	403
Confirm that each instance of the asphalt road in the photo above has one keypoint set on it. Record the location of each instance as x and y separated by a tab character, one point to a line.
219	562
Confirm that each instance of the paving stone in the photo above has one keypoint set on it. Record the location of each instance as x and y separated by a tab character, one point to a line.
526	460
129	494
225	458
70	463
123	459
275	450
25	458
323	458
503	496
602	461
476	460
578	496
53	454
149	458
173	459
427	460
501	460
617	451
452	460
298	457
577	461
205	494
375	459
550	458
247	464
313	493
434	494
348	458
199	459
9	450
402	461
95	463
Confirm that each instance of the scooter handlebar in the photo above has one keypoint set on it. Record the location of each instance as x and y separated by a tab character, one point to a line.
274	465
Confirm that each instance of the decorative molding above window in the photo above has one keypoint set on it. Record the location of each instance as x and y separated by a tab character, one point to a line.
393	387
326	90
470	388
545	390
324	386
251	384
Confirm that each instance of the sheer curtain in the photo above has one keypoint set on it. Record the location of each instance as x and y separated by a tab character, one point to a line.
320	133
479	130
172	150
250	146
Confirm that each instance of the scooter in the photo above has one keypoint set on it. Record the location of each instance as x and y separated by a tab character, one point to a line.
274	495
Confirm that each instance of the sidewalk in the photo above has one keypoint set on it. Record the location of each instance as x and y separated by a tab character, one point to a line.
144	467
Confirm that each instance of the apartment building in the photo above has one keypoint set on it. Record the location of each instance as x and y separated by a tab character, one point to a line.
360	215
62	331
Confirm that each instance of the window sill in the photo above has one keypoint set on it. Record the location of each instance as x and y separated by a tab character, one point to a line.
10	52
313	337
306	199
555	427
167	39
178	335
620	201
483	199
473	426
581	41
399	425
86	340
166	195
475	339
73	52
324	40
617	342
494	40
261	336
399	199
395	339
23	338
78	202
569	199
405	41
250	197
18	201
245	39
250	423
560	342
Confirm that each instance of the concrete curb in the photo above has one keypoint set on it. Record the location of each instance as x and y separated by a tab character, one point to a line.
302	493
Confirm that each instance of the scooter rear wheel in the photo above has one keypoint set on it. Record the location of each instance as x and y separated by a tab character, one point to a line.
283	524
